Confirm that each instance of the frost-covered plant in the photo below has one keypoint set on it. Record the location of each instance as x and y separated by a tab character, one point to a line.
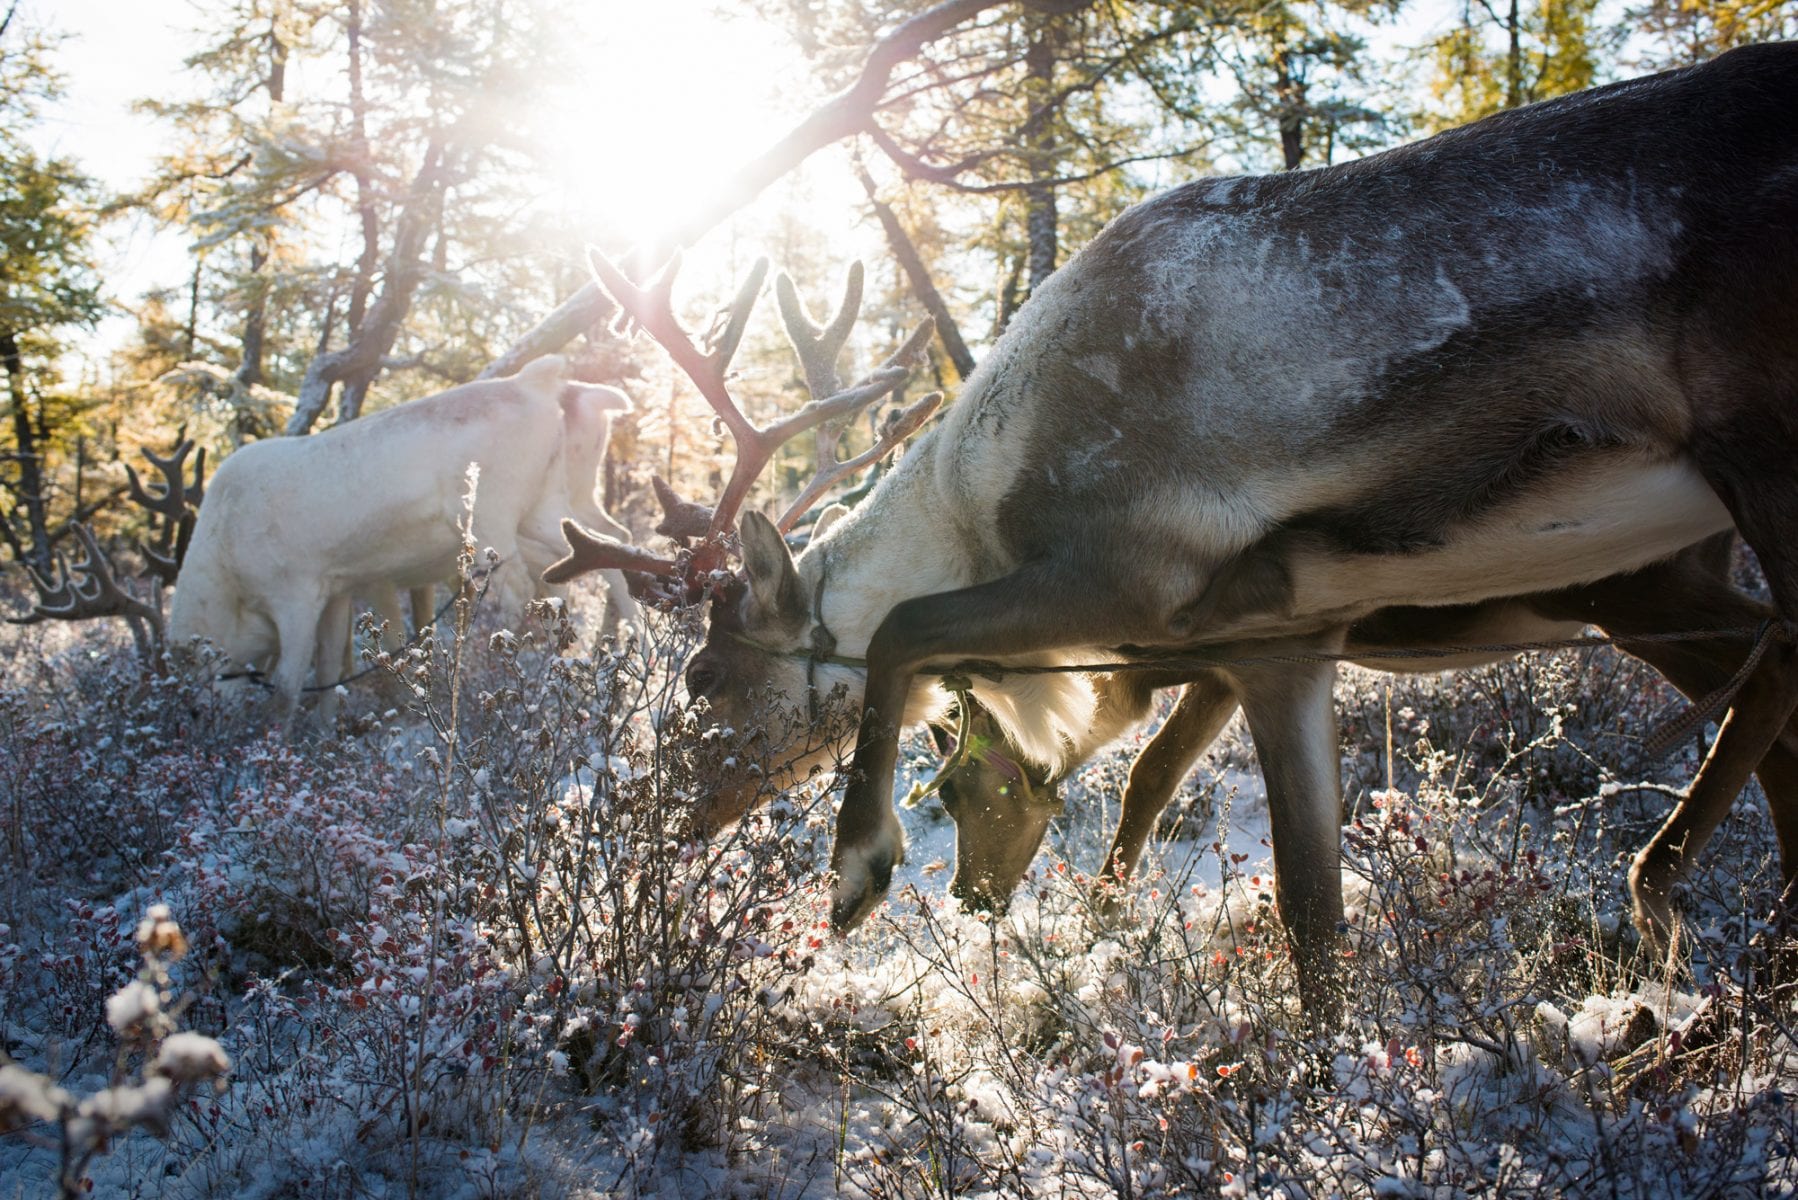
465	944
652	967
155	1067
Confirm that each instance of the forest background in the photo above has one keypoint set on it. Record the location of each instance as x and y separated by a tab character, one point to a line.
243	218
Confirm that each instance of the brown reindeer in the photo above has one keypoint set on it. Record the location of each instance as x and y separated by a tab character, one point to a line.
1547	349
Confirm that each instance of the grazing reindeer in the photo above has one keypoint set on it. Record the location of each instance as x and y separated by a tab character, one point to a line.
293	526
1549	348
587	414
1002	805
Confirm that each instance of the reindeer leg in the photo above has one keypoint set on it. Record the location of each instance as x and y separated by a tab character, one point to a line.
384	598
1688	592
621	608
1699	668
1292	719
331	658
512	584
296	628
1037	608
422	601
1205	706
1760	712
1692	591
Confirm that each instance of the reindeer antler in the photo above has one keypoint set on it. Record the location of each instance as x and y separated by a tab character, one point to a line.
595	552
87	589
818	348
681	519
899	425
828	412
651	308
175	503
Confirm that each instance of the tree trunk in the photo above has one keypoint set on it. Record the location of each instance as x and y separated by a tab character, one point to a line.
583	310
1289	101
358	363
191	333
255	322
1514	63
30	487
1009	293
350	398
906	251
365	194
1040	217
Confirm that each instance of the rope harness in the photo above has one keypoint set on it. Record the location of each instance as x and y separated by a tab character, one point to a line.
260	678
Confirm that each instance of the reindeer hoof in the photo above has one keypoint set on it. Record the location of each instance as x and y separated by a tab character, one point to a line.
863	875
1650	893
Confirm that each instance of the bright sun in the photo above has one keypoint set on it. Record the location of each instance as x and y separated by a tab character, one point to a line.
669	99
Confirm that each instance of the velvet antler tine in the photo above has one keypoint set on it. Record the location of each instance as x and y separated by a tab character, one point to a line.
899	426
818	347
681	518
740	308
589	552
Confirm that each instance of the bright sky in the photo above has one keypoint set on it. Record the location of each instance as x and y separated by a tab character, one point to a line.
676	96
118	51
671	95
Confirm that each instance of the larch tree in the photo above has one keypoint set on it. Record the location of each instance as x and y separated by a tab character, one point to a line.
1507	53
48	287
1027	114
242	182
1303	89
1680	33
360	175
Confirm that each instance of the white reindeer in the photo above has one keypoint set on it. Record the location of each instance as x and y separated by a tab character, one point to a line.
587	414
293	526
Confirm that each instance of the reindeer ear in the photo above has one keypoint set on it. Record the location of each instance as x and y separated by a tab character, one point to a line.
830	516
774	591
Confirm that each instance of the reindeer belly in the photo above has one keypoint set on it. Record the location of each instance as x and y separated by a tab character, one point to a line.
1610	514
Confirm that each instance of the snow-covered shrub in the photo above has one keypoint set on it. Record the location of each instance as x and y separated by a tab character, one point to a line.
463	945
155	1067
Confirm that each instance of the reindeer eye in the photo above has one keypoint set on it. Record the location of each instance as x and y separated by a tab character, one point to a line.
702	680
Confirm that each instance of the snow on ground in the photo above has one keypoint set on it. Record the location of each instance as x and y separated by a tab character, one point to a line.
497	975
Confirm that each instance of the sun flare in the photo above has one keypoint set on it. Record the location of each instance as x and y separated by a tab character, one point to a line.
669	99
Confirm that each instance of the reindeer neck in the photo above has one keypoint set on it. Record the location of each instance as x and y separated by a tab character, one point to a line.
897	544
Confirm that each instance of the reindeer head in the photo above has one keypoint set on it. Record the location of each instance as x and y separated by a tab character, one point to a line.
1001	806
766	669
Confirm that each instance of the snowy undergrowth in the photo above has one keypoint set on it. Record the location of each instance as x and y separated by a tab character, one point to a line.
462	947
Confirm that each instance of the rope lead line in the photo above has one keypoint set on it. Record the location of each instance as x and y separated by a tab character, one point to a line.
961	685
260	679
1659	744
997	672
